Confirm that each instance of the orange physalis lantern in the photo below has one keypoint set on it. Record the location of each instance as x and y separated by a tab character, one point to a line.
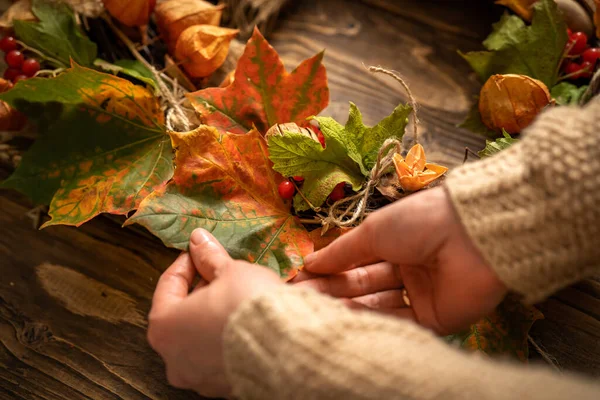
415	172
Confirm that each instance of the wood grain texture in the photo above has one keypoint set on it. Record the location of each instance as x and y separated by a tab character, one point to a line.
73	301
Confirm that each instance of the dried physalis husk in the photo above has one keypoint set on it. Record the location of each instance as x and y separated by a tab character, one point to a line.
202	49
10	119
511	102
175	16
131	12
228	79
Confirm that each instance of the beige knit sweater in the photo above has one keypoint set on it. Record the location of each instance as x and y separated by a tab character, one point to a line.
533	211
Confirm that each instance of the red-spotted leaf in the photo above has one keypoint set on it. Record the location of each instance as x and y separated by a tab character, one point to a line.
102	146
225	183
263	93
503	333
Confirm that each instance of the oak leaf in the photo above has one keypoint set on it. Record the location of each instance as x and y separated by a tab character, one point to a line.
10	119
131	12
175	16
414	172
349	154
504	333
514	48
225	183
263	93
102	148
202	49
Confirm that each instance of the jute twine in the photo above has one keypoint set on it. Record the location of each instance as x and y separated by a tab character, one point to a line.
352	210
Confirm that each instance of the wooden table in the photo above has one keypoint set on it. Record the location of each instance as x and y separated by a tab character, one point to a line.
73	301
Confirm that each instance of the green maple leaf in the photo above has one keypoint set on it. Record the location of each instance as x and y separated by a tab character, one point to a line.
350	153
514	48
503	333
56	34
495	146
102	148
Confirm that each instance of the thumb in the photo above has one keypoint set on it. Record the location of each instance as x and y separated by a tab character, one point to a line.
208	255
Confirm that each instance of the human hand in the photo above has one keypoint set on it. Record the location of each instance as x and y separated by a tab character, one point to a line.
186	328
417	244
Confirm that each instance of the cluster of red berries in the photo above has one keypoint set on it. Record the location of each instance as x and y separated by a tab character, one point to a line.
581	59
19	67
287	189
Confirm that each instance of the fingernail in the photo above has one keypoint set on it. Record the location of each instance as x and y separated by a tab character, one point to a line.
309	259
200	236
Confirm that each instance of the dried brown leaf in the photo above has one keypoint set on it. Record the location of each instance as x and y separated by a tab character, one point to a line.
175	16
203	49
524	8
20	10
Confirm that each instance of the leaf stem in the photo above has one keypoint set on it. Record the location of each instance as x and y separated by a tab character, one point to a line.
316	209
313	221
54	61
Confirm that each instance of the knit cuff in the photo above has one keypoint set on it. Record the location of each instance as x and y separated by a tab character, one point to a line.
526	209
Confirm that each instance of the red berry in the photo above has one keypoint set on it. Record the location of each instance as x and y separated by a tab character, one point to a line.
319	134
569	32
338	192
586	69
11	73
577	43
30	67
298	178
8	43
591	55
14	58
574	70
20	78
286	190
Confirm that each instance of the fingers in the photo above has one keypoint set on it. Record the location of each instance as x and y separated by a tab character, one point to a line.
174	284
349	251
357	282
401	312
208	255
382	300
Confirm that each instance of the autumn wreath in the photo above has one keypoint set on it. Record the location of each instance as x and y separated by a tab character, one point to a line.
250	160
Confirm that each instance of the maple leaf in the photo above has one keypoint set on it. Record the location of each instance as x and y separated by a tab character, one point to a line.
349	154
322	240
415	172
503	333
225	183
263	93
56	35
514	48
495	146
102	146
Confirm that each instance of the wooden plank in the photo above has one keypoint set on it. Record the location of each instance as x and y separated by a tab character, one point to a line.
72	310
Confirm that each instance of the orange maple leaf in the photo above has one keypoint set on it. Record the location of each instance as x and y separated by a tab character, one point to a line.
415	172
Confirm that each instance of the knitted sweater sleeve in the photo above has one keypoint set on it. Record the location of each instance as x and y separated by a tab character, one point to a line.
298	344
533	210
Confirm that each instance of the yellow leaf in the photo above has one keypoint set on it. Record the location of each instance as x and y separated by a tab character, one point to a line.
203	48
175	16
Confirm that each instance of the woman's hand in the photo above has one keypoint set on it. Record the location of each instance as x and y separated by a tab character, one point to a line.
186	328
418	244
